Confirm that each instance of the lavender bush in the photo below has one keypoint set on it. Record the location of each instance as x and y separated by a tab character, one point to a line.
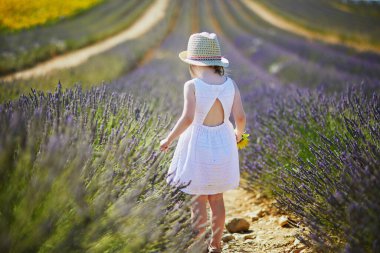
80	172
319	156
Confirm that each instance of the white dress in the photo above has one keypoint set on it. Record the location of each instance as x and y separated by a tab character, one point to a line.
207	156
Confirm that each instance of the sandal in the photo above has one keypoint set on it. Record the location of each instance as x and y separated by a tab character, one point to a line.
214	250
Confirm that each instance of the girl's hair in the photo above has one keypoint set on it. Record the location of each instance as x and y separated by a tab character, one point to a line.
217	69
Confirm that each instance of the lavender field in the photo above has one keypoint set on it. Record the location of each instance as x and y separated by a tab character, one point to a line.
80	165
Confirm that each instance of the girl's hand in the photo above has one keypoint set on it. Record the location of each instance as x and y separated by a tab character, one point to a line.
238	135
164	144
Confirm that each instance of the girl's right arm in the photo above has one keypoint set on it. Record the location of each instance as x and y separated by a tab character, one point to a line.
238	113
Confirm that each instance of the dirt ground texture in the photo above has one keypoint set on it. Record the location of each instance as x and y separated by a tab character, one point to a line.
265	233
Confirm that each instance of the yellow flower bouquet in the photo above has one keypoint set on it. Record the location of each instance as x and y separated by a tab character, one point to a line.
243	142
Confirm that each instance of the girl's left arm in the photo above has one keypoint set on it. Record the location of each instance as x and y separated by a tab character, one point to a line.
187	116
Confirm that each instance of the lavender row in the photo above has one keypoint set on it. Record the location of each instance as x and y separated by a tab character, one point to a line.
354	20
318	155
161	79
80	171
286	56
103	67
25	48
340	57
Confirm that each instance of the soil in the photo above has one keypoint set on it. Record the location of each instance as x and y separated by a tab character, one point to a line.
265	234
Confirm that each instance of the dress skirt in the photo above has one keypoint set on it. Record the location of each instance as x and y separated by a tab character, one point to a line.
207	158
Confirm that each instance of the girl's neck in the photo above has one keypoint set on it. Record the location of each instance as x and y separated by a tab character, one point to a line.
209	75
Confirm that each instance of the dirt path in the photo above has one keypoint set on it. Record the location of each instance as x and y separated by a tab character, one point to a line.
153	15
265	233
282	23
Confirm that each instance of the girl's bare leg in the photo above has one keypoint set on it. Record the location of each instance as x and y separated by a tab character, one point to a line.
218	218
199	214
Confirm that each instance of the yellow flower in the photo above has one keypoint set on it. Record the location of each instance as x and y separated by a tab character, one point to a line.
243	142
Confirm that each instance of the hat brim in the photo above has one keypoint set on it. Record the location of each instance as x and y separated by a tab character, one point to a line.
222	62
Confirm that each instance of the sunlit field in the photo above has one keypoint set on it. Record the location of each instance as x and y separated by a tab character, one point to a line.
27	47
21	14
348	21
80	166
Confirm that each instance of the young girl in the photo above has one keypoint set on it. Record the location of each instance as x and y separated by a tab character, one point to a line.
206	154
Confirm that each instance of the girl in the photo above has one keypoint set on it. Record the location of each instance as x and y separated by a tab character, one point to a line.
206	156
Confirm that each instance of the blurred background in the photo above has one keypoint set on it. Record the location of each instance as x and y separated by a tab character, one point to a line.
306	43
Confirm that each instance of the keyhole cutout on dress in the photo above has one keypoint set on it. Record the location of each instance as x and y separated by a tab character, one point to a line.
215	115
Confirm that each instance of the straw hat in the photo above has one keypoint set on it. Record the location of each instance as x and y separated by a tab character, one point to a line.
203	50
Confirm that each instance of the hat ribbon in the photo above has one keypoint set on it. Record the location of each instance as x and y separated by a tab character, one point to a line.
205	57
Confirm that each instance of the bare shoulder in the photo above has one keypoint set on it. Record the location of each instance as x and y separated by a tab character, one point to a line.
189	85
